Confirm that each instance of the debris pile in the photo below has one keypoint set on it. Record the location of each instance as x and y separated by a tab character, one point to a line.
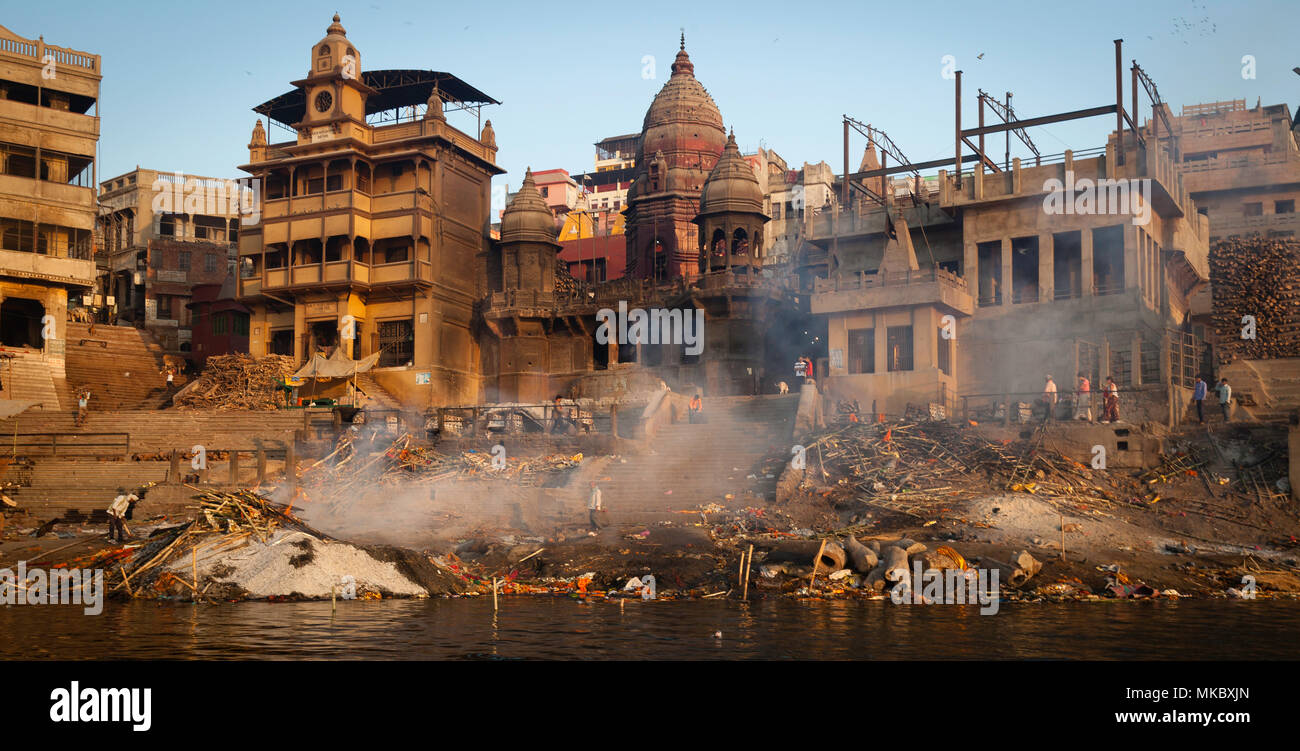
243	546
237	382
918	468
357	462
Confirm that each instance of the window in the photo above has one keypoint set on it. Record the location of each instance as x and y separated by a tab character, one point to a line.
210	262
945	352
396	343
1284	207
220	324
241	324
1253	209
183	259
862	350
546	191
898	347
1121	367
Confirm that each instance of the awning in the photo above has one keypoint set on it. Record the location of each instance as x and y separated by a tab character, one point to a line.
337	365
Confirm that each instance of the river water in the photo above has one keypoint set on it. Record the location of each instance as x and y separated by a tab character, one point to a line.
559	628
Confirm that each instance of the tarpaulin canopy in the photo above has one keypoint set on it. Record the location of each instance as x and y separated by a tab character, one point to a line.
337	365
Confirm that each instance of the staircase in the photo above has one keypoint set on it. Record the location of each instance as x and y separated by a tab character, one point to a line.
69	488
1274	385
121	365
700	463
164	430
377	396
26	377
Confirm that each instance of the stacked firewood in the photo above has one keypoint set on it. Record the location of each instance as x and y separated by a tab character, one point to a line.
1257	277
237	382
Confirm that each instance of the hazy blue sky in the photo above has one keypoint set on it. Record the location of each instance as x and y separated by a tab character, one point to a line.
180	78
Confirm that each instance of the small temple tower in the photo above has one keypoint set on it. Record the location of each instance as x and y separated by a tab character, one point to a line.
731	214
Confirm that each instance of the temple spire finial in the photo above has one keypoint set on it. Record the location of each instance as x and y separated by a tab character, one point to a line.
683	47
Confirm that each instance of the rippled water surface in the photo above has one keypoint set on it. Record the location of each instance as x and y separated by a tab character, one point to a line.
561	628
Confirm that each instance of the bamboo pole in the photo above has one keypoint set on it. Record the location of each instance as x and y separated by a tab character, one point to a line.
194	569
748	565
494	594
817	562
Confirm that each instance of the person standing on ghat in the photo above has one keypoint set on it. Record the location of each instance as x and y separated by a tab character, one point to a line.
1110	401
596	507
1083	410
1225	398
1199	392
1049	399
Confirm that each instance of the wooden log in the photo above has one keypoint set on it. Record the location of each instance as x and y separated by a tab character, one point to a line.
829	559
894	559
864	559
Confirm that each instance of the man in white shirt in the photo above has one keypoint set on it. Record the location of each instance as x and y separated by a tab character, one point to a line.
1049	398
117	515
595	507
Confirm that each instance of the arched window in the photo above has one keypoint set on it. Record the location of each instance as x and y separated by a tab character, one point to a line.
739	242
324	49
718	246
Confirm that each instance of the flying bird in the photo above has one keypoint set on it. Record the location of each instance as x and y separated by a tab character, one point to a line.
980	56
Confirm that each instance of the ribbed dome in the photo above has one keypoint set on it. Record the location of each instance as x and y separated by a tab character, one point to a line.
527	218
732	186
683	123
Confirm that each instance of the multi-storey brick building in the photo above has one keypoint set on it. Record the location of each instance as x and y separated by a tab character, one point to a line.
163	234
49	127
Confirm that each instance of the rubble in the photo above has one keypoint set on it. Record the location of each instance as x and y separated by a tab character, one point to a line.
243	546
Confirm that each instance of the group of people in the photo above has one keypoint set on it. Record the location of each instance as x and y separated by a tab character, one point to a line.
1110	399
1201	389
1083	400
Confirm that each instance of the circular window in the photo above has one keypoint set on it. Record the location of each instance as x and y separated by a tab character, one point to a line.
324	100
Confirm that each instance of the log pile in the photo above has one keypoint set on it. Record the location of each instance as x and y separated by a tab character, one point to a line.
920	468
1257	277
358	465
236	382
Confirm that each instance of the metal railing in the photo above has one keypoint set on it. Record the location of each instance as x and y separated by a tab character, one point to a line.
71	444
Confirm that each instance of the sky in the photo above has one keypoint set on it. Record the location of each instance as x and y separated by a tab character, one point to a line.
180	79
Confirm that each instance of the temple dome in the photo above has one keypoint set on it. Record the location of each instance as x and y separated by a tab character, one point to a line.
527	218
684	124
731	186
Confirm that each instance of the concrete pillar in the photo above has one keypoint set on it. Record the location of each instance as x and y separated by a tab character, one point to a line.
1131	271
299	332
970	267
234	467
1135	360
261	466
1046	267
881	342
1007	290
1085	262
